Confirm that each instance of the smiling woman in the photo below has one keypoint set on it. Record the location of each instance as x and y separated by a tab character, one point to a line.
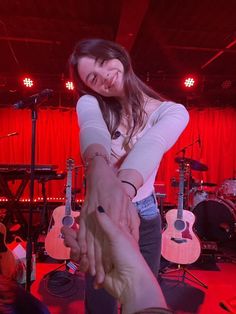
103	76
125	128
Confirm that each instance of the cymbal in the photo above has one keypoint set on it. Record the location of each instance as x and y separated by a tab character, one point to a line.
194	164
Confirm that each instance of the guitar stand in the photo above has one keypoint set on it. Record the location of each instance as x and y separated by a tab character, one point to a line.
192	278
44	217
65	265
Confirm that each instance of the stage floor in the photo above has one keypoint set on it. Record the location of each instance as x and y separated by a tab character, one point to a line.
183	296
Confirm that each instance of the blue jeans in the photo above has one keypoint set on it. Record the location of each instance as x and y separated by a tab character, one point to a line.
99	301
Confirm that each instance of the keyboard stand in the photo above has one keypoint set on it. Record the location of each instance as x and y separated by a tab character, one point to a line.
13	214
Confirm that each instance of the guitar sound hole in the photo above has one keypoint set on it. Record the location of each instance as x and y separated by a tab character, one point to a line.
68	221
179	225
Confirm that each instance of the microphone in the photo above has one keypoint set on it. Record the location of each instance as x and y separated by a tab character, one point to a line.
12	134
34	99
9	134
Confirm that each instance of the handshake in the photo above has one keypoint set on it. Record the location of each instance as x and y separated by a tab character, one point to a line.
128	277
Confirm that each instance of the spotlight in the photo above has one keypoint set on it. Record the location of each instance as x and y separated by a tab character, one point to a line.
189	82
226	84
28	82
69	85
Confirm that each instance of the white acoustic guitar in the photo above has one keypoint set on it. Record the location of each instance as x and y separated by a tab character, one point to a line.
62	216
180	245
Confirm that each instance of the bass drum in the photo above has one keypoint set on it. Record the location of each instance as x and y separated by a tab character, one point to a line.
215	220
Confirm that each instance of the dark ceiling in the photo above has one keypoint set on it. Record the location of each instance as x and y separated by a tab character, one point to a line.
167	39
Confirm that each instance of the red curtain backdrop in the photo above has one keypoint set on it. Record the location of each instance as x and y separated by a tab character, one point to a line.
58	133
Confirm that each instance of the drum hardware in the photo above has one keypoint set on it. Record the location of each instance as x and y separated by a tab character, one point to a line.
228	189
198	197
189	164
193	164
192	194
187	182
176	253
210	184
215	220
193	183
200	194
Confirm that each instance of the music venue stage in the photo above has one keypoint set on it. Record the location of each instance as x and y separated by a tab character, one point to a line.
183	49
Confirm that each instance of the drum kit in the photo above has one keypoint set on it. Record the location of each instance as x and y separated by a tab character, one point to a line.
214	207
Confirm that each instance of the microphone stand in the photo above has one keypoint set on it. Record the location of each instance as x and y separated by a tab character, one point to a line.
183	150
29	246
32	103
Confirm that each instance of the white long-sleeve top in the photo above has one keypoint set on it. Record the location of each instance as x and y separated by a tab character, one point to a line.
146	148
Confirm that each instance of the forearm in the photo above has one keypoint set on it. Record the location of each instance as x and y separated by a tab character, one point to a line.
144	293
97	155
132	176
93	129
145	156
94	150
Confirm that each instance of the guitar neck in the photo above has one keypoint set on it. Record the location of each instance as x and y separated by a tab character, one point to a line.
181	193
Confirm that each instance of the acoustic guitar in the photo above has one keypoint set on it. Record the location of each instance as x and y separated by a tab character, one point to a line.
180	245
62	216
8	264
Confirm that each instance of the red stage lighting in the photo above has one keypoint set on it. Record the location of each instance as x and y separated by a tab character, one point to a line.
28	82
189	82
69	85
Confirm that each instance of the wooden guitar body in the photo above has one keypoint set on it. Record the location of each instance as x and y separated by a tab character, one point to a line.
54	243
180	245
7	258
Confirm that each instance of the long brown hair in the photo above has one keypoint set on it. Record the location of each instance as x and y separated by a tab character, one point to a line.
134	88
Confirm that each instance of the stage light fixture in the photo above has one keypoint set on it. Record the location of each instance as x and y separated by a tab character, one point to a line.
28	82
189	82
226	84
69	85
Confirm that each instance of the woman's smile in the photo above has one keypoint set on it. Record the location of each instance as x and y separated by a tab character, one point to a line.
104	77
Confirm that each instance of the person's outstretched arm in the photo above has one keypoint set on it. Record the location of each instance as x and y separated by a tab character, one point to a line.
130	280
102	187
